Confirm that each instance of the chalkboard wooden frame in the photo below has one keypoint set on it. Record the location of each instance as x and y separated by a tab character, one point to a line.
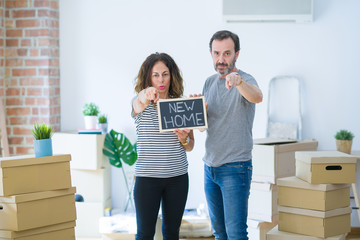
177	103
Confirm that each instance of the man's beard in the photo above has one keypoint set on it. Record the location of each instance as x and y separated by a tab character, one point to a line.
227	70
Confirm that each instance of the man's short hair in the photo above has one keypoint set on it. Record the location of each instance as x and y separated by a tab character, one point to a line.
224	34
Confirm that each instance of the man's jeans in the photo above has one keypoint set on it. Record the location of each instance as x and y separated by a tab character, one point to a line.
227	190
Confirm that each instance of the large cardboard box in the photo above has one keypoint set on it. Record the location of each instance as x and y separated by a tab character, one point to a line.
257	229
315	223
275	158
62	231
275	234
26	174
85	149
88	216
322	167
34	210
262	201
294	192
93	185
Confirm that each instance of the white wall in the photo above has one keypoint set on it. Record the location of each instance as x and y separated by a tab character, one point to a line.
103	43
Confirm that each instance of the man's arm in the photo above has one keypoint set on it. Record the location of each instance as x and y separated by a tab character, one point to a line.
250	92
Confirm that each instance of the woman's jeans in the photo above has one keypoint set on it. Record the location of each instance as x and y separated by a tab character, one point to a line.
149	193
227	190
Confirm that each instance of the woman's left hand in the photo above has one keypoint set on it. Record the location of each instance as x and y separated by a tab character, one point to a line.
182	134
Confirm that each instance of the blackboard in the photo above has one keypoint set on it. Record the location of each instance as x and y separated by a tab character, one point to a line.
182	113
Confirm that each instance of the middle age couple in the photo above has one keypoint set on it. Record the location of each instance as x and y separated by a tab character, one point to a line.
161	168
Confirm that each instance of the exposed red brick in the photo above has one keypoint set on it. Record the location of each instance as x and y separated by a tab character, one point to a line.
29	140
18	111
47	42
48	13
17	62
37	62
16	140
23	13
35	111
49	72
34	92
14	101
12	42
22	52
24	72
34	52
14	33
36	32
24	150
44	111
41	3
27	23
18	120
16	3
54	5
13	92
31	81
26	42
9	23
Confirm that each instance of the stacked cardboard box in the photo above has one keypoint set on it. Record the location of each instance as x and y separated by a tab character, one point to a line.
272	159
91	175
316	203
36	198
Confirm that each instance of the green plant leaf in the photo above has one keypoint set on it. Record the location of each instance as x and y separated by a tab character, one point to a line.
118	147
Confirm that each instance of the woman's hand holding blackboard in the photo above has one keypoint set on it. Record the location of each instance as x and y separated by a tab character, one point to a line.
186	138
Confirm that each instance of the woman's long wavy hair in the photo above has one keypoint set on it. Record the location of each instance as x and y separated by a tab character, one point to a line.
143	79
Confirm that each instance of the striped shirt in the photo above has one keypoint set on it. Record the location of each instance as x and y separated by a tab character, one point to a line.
160	154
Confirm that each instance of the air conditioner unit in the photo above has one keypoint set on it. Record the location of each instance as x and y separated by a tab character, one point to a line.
298	11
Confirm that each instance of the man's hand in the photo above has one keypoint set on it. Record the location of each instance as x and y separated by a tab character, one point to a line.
232	80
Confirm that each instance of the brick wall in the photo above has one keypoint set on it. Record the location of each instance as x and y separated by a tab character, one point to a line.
30	82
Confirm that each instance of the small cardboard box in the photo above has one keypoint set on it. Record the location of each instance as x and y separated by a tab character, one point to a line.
257	229
85	149
34	210
26	174
63	231
315	223
323	167
274	158
275	234
93	185
88	216
294	192
262	201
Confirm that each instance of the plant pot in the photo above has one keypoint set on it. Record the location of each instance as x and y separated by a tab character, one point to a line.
103	127
344	146
43	148
90	122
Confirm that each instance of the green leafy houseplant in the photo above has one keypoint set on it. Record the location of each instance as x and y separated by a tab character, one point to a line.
344	135
118	148
90	109
42	131
344	141
102	118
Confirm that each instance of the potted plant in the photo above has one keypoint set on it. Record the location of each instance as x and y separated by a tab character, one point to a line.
90	111
103	123
344	141
42	143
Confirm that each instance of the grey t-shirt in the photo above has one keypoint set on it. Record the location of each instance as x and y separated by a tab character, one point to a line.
230	121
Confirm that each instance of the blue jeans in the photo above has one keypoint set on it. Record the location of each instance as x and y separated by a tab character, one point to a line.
227	190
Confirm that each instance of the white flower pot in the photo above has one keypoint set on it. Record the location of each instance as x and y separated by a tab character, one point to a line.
90	122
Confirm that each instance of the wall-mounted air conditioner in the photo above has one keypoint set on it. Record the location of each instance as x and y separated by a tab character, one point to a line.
299	11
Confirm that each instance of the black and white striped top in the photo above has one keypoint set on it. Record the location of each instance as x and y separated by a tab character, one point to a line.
160	155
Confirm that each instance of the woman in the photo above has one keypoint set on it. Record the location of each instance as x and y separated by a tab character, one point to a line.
161	168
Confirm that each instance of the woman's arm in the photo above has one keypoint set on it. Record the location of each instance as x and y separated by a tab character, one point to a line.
143	99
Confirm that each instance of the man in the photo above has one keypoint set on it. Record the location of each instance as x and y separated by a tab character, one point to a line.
231	95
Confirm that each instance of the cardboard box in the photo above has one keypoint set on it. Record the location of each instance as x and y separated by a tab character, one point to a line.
88	216
62	231
262	201
275	234
26	174
275	158
195	227
294	192
322	167
257	229
93	185
34	210
85	149
315	223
